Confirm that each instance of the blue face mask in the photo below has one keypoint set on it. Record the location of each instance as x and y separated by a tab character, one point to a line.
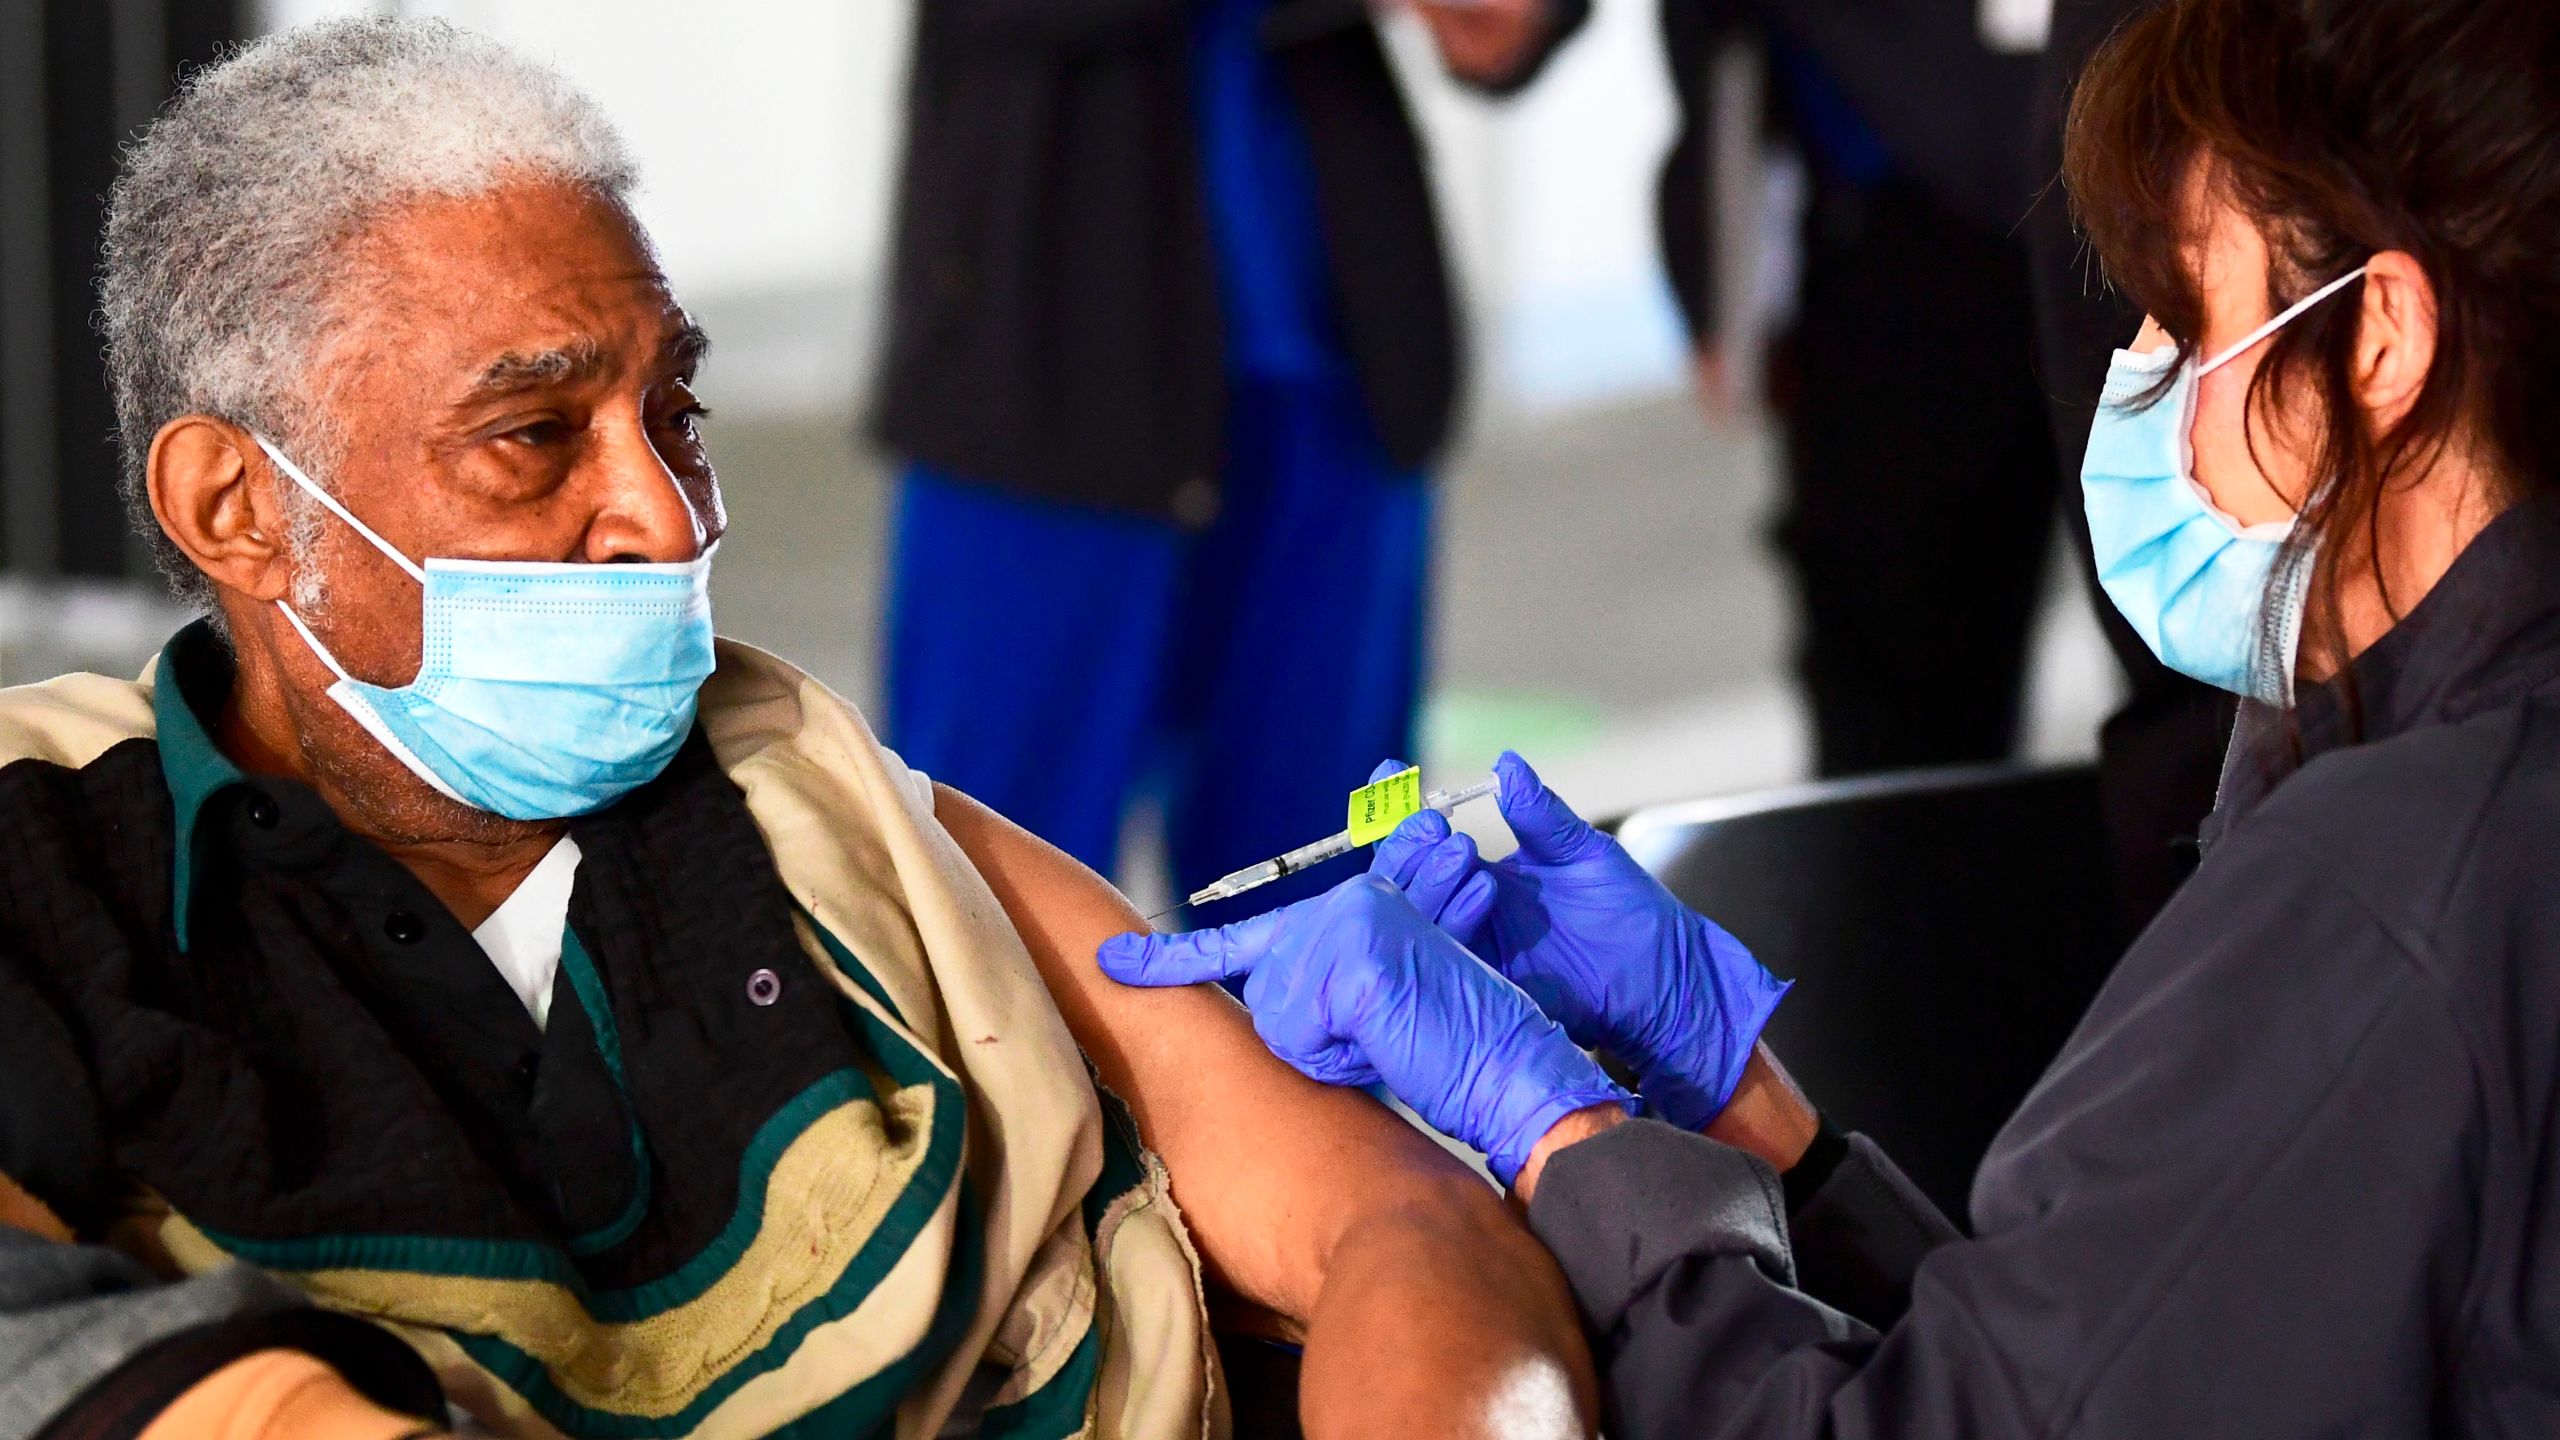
2199	587
543	690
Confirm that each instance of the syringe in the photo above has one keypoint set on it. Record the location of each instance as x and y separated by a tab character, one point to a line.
1254	877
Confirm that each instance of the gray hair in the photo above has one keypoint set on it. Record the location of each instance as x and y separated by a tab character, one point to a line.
225	242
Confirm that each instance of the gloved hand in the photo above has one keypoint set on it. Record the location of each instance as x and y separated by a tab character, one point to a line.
1436	867
1599	944
1356	987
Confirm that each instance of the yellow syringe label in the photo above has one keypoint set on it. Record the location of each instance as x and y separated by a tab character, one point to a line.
1377	809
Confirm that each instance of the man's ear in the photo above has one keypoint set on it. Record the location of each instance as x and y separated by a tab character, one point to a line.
219	505
2396	336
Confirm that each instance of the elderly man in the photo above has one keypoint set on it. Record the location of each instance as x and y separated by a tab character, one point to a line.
451	984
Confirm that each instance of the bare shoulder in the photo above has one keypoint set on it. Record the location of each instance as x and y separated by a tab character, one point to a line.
1270	1168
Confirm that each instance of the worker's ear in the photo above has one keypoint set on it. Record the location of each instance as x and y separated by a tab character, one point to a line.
213	492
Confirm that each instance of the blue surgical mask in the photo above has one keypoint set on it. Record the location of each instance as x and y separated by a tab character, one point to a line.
2199	587
544	690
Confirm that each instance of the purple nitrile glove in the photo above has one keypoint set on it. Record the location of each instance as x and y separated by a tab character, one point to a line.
1356	987
1436	867
1603	947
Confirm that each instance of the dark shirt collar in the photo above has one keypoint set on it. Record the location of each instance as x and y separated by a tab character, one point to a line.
2487	635
188	691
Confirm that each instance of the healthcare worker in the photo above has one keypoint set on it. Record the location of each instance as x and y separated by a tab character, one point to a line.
1171	350
2292	1175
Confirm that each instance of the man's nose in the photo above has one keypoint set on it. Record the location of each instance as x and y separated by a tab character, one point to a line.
644	514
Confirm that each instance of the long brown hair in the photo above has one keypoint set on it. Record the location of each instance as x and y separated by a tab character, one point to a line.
2344	128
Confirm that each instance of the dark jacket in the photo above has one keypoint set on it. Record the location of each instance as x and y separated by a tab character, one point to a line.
2290	1177
1947	110
1054	324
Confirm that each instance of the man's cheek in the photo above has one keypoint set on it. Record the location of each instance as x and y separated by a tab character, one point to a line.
376	624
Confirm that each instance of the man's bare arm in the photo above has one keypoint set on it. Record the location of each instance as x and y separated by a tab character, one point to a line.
1427	1309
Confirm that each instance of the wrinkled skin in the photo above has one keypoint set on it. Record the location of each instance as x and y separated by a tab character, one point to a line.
517	387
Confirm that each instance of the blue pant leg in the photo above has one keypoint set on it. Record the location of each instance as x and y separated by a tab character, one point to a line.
1026	642
1303	637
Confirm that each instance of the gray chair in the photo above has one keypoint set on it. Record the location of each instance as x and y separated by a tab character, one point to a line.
1946	930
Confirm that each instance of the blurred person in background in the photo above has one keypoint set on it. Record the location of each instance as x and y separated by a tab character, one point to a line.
1171	349
1919	471
1947	315
452	975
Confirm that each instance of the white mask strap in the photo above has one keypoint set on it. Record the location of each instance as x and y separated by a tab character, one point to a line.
353	702
2262	332
314	642
341	511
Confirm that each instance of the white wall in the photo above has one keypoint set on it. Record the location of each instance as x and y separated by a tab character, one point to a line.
768	129
1549	197
767	134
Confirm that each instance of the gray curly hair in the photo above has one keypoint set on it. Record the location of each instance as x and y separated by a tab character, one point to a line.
224	278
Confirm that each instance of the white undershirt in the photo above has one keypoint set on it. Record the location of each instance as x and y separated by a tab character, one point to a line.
523	934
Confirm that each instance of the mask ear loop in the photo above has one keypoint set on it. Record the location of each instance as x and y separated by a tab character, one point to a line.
2262	332
361	528
316	647
341	511
364	713
2280	633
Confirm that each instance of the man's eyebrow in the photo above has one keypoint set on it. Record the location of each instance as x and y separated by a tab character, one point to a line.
685	349
682	351
523	370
